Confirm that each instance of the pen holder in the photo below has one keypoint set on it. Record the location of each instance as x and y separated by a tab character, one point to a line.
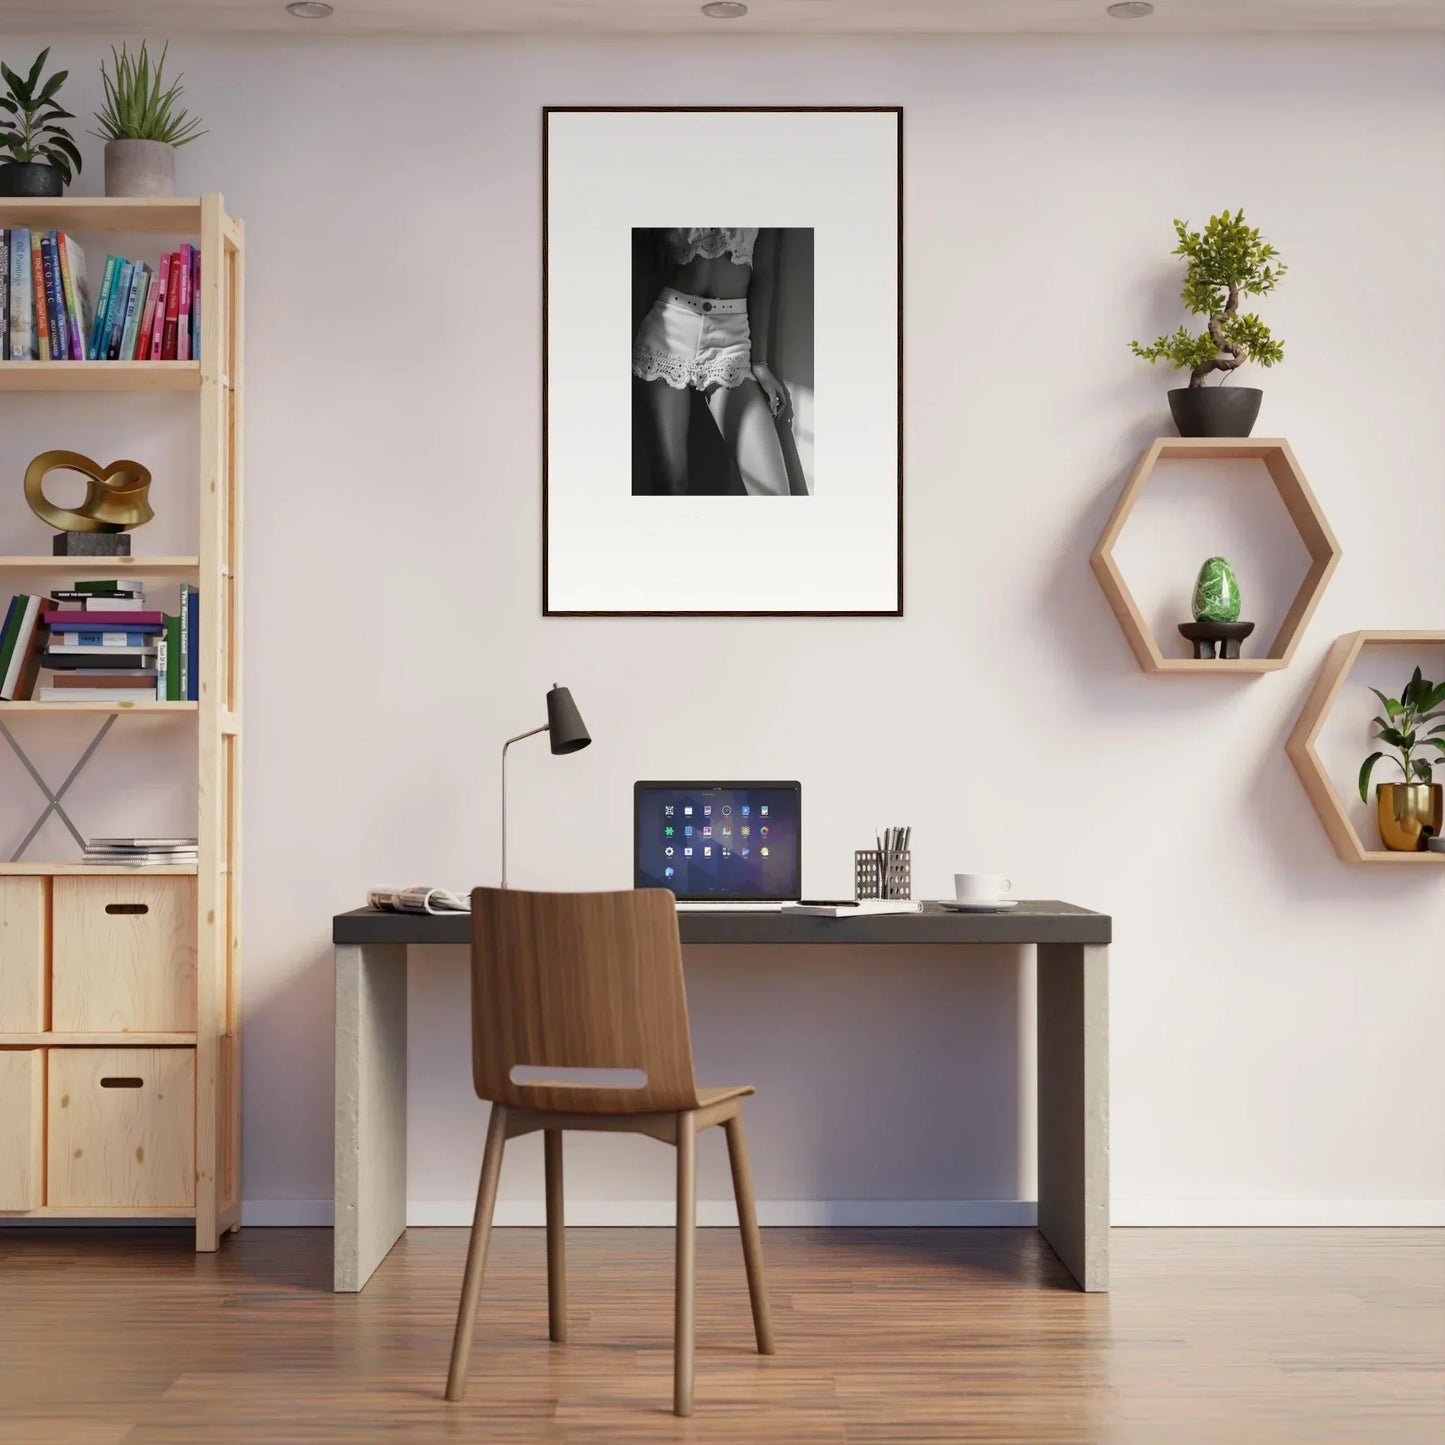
882	875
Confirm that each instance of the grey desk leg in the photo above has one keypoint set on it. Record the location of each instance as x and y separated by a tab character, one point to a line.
370	1108
1073	1047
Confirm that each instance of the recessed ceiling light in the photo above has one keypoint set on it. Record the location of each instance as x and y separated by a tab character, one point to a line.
309	9
725	10
1131	9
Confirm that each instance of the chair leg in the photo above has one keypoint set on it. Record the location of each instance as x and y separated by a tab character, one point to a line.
556	1238
477	1253
748	1228
684	1326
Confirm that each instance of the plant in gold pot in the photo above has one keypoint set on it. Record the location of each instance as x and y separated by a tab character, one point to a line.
1413	811
142	125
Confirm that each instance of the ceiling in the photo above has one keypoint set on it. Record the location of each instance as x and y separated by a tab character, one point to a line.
483	17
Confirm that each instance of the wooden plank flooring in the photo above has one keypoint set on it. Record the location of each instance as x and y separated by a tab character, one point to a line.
1242	1337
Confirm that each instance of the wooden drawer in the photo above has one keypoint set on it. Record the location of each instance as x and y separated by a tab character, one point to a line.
121	1127
123	955
22	1128
24	933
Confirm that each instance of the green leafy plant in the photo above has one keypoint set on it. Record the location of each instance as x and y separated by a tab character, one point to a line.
138	103
1421	702
28	130
1227	261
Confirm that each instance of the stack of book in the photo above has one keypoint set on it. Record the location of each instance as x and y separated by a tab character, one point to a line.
140	313
101	643
140	852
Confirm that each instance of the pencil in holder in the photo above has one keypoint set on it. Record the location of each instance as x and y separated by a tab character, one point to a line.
879	875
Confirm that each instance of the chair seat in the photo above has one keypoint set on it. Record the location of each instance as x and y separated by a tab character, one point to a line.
706	1098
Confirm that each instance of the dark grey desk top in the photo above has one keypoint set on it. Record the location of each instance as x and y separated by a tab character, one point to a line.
1033	921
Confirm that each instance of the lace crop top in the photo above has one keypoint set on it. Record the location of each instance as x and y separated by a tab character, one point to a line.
685	243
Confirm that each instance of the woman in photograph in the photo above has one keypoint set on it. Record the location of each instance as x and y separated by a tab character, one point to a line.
708	332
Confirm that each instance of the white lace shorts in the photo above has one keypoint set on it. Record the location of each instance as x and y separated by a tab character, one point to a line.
694	341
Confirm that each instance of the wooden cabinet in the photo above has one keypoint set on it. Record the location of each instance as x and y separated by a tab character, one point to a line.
24	924
119	1128
22	1128
123	955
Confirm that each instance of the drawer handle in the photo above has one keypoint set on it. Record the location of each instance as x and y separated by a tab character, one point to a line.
121	1082
127	908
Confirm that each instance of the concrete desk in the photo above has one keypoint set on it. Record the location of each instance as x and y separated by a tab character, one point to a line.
1073	1056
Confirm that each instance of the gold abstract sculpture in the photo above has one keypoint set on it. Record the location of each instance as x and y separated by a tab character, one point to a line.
115	496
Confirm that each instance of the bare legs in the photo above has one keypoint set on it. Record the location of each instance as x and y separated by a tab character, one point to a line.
670	407
746	423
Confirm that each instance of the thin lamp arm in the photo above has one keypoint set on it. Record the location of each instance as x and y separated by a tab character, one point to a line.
531	734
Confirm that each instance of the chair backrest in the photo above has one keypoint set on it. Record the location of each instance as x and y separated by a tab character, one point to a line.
579	981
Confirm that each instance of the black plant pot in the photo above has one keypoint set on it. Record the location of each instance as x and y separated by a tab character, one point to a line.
29	178
1215	411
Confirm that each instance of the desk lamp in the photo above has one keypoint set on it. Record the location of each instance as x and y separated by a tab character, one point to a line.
568	734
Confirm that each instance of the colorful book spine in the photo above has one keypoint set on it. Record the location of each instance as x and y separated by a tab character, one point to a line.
55	300
4	295
191	645
134	306
96	349
37	289
173	300
183	307
119	300
102	639
158	323
141	350
132	621
173	659
195	303
7	633
22	304
24	663
77	293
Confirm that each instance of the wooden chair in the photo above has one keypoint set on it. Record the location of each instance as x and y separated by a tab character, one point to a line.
593	981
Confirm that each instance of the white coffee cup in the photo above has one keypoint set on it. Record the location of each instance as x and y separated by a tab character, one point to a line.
981	887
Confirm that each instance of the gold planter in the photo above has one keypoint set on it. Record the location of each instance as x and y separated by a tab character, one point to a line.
1409	813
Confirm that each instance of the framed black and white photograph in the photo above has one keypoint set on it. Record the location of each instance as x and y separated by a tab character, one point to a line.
722	403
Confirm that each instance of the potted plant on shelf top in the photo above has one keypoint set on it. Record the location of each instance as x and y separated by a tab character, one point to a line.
1225	262
1410	812
37	156
142	125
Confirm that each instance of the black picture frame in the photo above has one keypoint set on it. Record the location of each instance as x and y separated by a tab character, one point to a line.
547	112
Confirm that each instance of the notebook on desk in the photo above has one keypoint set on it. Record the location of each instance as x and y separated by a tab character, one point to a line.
720	845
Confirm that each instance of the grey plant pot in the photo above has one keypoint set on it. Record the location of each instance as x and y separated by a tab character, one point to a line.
140	168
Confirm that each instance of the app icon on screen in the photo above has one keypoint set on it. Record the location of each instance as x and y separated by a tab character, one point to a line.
669	850
668	831
746	810
745	852
707	852
687	852
669	872
764	830
687	811
706	831
763	851
707	810
726	854
687	830
727	832
763	811
667	810
747	830
727	808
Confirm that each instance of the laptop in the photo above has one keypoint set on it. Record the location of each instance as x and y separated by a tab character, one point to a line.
719	845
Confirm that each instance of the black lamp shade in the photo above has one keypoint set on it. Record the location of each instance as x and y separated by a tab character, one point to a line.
565	729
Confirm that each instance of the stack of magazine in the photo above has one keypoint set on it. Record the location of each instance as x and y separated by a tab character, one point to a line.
141	852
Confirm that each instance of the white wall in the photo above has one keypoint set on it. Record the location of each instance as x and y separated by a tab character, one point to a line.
1275	1015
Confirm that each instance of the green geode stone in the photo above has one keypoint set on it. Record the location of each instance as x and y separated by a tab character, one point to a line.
1216	593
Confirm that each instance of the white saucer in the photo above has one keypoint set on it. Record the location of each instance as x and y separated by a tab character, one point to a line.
999	907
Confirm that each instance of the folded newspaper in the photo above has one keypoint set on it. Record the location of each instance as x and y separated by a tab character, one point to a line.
418	900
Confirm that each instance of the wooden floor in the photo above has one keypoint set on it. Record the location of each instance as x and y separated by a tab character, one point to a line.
1243	1337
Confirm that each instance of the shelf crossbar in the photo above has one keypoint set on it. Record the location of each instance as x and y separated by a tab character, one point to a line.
53	803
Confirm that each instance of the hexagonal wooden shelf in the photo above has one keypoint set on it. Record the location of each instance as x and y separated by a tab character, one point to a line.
1304	511
1301	746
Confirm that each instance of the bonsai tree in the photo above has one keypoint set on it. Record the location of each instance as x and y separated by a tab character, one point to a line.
1226	262
28	115
138	103
1421	702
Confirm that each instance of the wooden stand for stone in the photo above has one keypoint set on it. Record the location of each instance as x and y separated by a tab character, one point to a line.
1207	636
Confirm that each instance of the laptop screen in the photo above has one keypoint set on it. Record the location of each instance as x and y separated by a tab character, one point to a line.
725	841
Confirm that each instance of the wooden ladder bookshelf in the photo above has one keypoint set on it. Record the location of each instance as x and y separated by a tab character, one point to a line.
58	945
